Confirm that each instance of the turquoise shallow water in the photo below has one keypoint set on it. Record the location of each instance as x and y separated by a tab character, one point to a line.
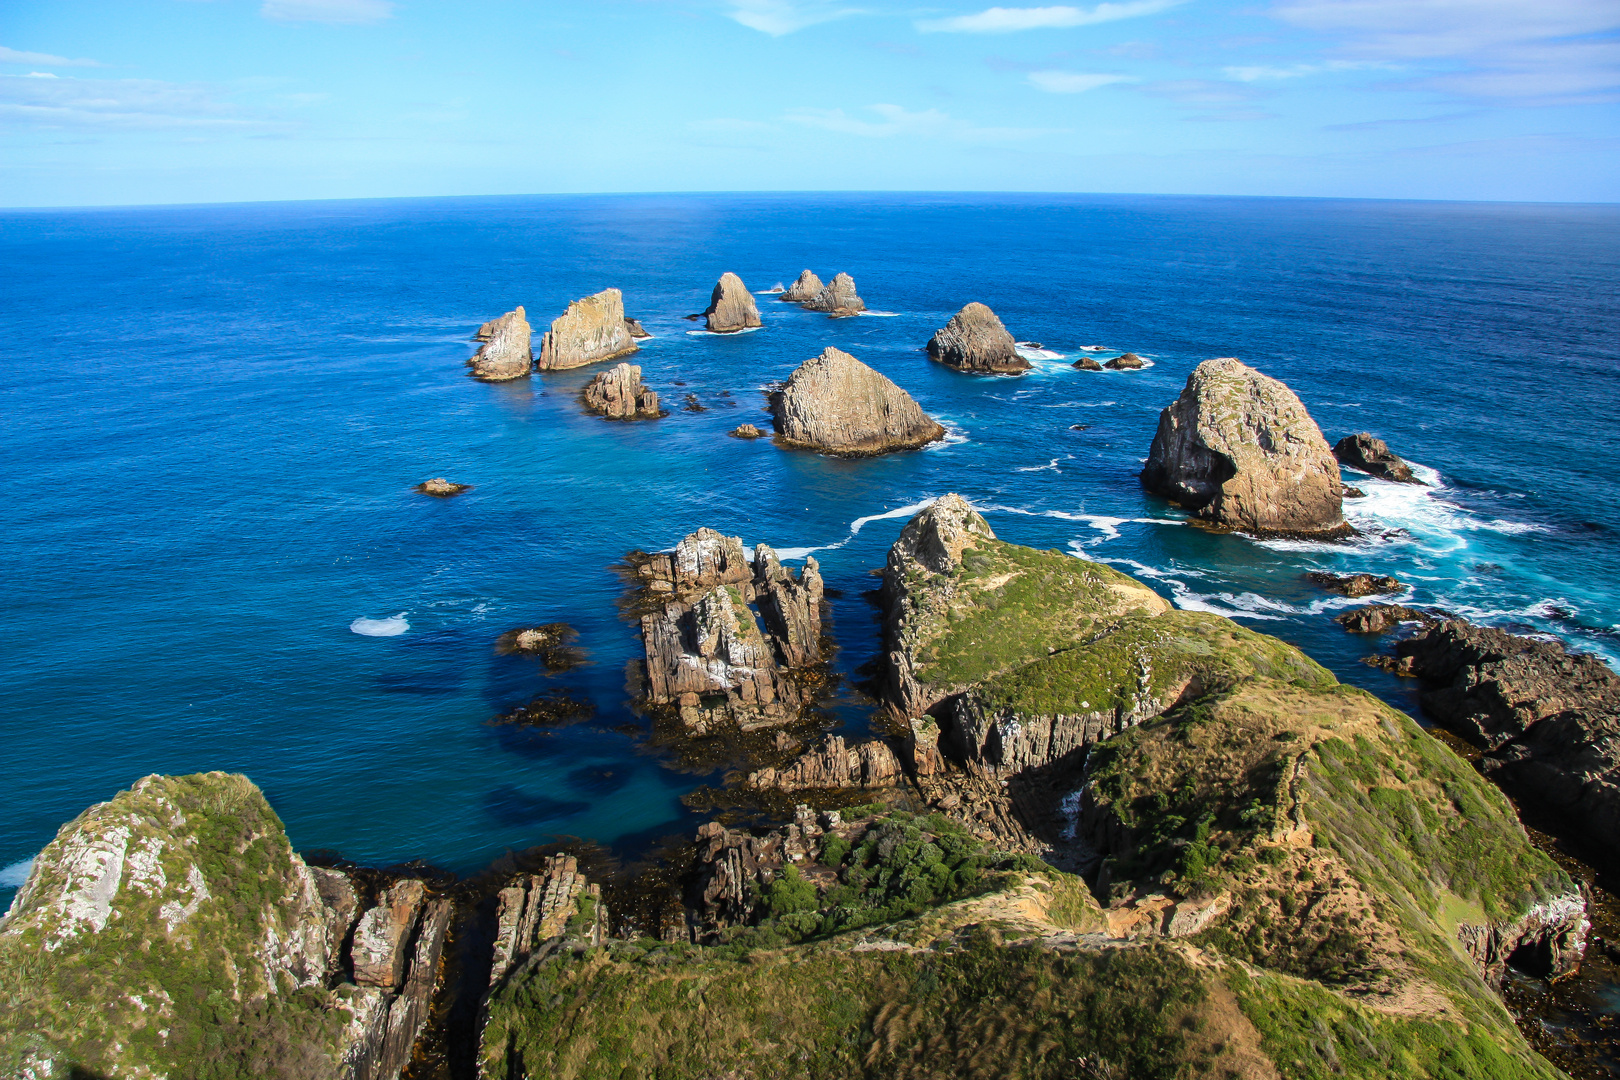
213	417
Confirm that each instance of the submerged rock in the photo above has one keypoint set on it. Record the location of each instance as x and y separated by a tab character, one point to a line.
837	405
974	340
1355	585
746	431
441	487
591	330
1128	362
837	298
1238	449
551	643
1086	363
1372	456
806	288
619	394
731	307
505	352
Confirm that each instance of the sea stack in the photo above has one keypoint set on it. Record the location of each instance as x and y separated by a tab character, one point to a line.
591	330
1373	456
1237	449
731	306
619	394
808	287
837	298
505	352
974	340
837	405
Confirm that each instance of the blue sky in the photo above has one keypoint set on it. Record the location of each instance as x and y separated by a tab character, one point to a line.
155	101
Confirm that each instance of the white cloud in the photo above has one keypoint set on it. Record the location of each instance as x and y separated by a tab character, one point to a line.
113	103
778	17
1000	20
1072	82
896	121
17	56
1296	71
327	11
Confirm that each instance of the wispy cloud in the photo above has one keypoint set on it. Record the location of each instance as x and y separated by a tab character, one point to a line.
1000	20
778	17
1072	82
17	56
114	103
327	11
891	121
1298	71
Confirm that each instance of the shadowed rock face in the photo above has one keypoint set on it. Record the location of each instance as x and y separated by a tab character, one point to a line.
975	340
808	287
1238	449
619	394
505	352
592	329
731	306
1128	362
838	405
838	298
1370	455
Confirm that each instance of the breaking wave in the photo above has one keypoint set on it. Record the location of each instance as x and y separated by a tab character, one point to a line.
15	876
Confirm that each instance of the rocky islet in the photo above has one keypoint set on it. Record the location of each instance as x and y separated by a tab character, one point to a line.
619	394
837	405
975	341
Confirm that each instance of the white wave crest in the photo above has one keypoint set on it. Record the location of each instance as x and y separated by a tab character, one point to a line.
15	876
854	530
390	627
1053	465
954	436
728	333
772	291
1037	354
879	314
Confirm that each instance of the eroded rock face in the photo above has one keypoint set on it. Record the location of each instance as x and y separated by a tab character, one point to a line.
619	394
807	287
1372	456
1381	618
835	764
1238	449
837	298
591	330
504	353
837	405
535	911
635	329
974	340
731	307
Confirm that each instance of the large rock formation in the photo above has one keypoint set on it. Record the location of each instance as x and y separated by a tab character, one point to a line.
837	405
619	394
1370	455
708	663
173	931
1238	449
837	298
731	306
535	912
974	340
505	352
592	329
834	765
807	287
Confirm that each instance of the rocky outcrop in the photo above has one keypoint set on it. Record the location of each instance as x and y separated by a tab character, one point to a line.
974	340
1381	618
707	660
1546	941
837	298
505	352
1237	449
746	431
837	405
1370	455
1549	718
1086	363
619	394
834	765
591	330
806	288
1354	585
1127	362
441	488
731	307
396	948
536	911
634	328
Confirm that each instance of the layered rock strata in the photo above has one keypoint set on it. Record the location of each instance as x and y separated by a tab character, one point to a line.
1238	450
591	330
837	405
975	341
619	394
807	287
707	659
536	911
1370	455
834	765
504	353
731	306
837	298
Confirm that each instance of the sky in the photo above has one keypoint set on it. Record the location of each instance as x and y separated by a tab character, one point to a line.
185	101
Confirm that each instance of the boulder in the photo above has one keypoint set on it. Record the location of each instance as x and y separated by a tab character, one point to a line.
807	287
974	340
731	306
635	329
746	431
1355	585
1128	362
1086	363
505	352
441	487
591	330
837	405
1370	455
619	394
1237	449
838	298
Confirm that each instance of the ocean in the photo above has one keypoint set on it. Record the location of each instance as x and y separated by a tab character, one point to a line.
214	415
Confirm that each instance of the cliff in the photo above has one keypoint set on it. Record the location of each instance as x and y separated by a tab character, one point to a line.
837	405
1237	449
504	353
975	341
591	330
731	306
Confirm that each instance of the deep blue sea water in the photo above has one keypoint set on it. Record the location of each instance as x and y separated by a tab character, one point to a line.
213	417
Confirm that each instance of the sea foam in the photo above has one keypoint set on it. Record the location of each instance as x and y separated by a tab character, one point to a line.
15	876
390	627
